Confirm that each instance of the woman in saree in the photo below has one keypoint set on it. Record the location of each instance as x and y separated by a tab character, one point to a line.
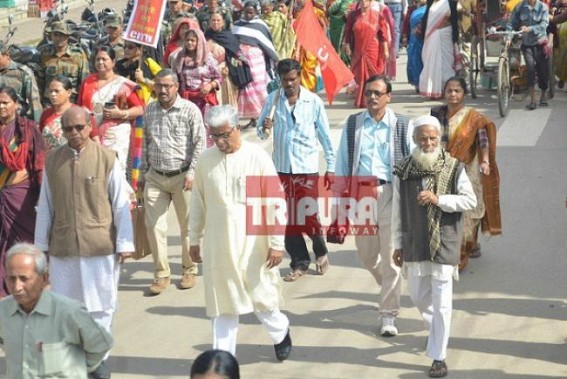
139	69
440	54
415	44
226	49
368	43
260	54
60	90
176	43
114	102
337	14
470	137
21	165
283	35
198	71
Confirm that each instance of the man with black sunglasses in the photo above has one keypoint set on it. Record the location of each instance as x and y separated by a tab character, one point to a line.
371	144
83	220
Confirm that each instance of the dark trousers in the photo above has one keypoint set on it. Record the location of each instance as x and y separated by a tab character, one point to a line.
297	186
536	62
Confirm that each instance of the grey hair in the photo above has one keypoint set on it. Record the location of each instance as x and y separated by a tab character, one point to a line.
32	251
220	115
266	2
167	72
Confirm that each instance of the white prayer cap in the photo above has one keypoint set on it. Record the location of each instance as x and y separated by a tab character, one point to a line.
426	120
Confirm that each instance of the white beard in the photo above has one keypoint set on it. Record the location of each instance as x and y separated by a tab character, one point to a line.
426	160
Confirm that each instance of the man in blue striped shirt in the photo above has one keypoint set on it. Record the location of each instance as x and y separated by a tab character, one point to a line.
298	119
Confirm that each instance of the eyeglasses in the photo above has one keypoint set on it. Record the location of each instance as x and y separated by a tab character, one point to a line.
370	92
223	136
129	46
69	129
167	87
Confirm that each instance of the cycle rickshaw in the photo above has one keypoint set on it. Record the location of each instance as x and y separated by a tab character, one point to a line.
508	70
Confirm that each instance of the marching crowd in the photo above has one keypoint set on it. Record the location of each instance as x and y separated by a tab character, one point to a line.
82	138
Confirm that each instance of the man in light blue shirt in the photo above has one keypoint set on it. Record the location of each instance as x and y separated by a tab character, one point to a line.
46	335
372	143
298	120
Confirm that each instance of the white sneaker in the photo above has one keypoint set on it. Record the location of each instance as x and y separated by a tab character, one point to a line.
388	326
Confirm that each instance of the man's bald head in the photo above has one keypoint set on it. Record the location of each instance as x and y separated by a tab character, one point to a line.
76	126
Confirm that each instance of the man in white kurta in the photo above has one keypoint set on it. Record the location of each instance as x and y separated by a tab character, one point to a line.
78	269
431	191
239	270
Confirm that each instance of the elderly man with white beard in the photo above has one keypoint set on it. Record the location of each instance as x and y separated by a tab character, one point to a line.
431	190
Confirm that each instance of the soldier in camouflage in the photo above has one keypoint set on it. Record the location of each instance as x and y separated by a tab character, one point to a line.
58	57
114	29
21	79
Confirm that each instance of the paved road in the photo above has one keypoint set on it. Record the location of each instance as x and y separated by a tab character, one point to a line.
510	313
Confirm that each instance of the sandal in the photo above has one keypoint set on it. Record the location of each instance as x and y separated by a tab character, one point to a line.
531	106
475	253
294	275
438	369
543	102
322	264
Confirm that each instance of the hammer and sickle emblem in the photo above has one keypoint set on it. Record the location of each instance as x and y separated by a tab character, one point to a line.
323	56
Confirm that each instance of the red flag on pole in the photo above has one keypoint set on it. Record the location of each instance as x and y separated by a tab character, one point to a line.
144	25
313	39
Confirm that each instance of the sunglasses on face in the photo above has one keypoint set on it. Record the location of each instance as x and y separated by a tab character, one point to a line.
69	129
129	46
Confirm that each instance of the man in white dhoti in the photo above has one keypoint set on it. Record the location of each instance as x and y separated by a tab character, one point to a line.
431	190
83	220
239	270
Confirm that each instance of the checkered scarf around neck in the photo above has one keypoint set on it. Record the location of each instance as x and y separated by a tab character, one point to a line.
439	181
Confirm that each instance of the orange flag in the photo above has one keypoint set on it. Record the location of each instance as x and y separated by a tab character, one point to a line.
313	39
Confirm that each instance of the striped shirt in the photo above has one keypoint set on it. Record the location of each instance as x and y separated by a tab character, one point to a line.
296	131
174	138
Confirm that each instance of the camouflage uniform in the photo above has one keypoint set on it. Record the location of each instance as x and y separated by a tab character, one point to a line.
73	63
204	15
21	78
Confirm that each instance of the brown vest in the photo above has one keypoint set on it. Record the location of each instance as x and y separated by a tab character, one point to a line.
82	220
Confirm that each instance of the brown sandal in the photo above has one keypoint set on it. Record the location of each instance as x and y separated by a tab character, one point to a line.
475	253
294	275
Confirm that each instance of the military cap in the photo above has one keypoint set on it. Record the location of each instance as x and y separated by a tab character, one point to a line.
59	27
113	21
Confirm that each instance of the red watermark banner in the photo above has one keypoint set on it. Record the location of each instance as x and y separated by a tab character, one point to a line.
297	204
145	22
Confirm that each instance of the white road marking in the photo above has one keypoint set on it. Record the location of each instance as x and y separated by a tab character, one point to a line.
523	127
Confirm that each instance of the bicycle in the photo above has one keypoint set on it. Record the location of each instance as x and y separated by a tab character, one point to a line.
508	49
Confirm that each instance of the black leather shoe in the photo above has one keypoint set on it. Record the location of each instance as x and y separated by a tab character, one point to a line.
101	372
283	349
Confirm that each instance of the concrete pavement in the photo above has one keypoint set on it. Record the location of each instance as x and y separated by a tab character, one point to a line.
510	312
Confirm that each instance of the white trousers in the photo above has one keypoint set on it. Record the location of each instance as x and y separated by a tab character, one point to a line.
433	298
104	319
225	329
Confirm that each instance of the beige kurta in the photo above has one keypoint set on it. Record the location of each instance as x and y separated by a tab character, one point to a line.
234	263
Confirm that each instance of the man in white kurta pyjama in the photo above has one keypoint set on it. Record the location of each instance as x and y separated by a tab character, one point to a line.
239	270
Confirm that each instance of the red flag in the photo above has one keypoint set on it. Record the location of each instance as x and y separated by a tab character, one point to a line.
312	38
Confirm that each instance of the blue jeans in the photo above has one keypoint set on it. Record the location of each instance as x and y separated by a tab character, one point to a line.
396	9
